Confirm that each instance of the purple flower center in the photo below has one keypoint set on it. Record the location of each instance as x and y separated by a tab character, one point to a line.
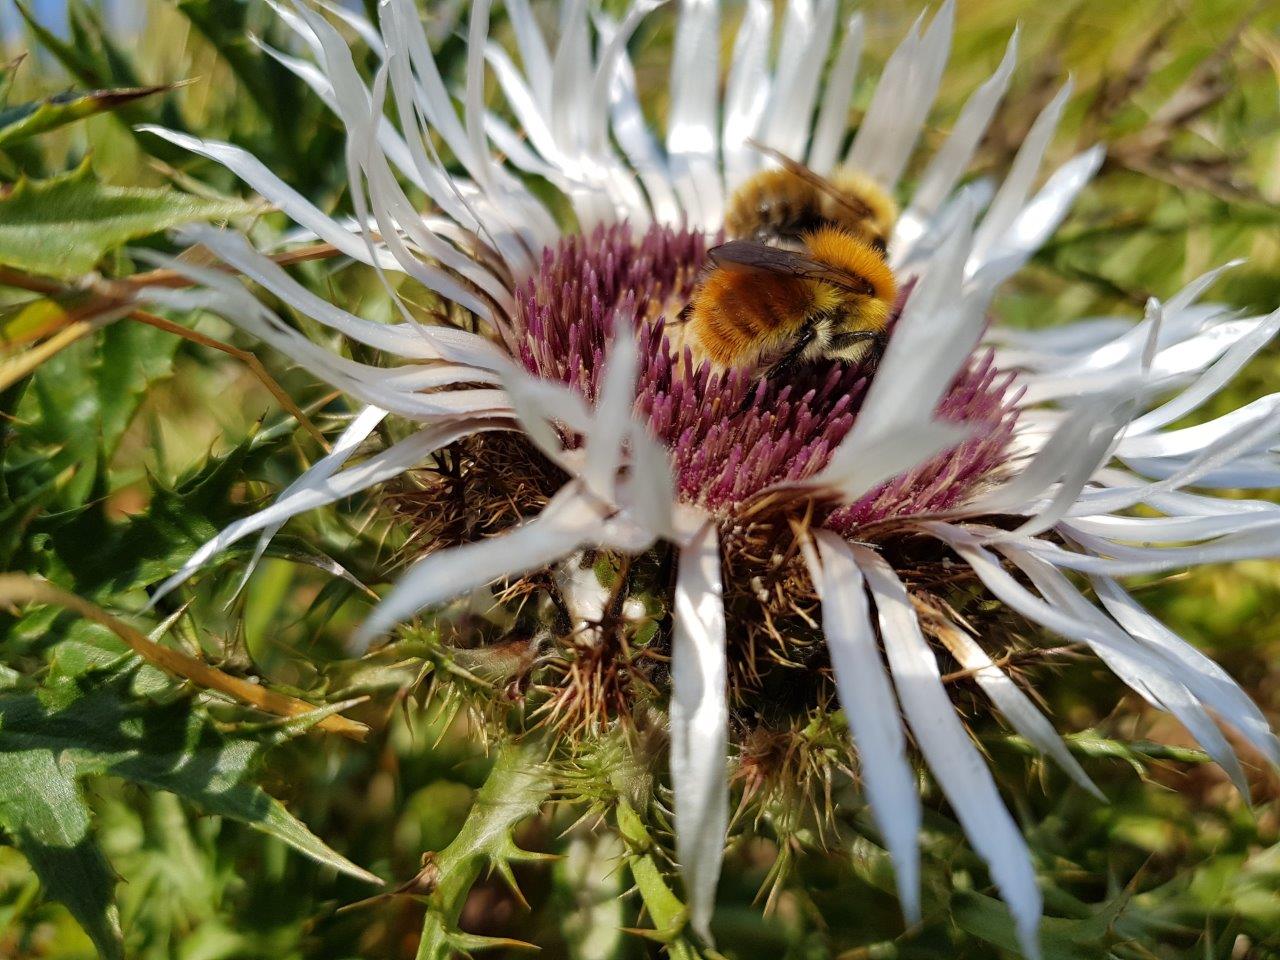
566	316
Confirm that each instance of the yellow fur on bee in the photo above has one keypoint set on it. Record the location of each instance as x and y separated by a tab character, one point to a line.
849	254
884	211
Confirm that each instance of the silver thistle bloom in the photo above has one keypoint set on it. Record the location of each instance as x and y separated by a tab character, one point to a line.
1019	456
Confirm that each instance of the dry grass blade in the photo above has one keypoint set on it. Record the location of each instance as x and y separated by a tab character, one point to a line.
20	588
247	358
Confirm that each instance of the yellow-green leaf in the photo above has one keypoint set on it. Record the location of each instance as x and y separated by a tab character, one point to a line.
28	119
61	227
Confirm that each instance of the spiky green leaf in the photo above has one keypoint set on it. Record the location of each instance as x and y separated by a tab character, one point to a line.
29	119
93	724
61	227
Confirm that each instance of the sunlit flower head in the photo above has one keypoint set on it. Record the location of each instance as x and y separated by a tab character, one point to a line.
765	514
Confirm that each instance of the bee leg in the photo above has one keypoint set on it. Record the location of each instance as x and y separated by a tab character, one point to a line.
842	342
790	359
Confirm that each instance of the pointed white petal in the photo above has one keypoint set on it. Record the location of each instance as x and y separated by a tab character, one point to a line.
1244	439
316	477
693	120
612	416
1167	689
1053	616
473	102
950	163
417	342
1012	194
833	115
1009	699
807	33
1117	560
650	490
1091	425
1164	530
869	704
392	462
1222	693
902	101
938	329
1214	379
377	386
700	725
859	469
956	764
565	524
253	172
747	92
571	76
532	121
1037	221
533	51
638	145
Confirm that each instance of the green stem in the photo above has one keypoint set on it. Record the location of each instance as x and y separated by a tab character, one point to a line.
515	789
665	908
1091	745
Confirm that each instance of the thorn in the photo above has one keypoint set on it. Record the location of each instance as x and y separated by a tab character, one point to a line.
503	869
464	943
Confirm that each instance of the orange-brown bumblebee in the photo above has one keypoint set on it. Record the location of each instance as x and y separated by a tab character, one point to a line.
781	205
768	308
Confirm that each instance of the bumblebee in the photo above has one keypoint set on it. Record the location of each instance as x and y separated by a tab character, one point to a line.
768	308
781	205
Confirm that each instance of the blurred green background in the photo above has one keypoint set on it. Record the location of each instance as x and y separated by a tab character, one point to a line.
126	449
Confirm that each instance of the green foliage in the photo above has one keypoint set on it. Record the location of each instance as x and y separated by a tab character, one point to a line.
40	806
93	724
28	119
125	451
514	790
63	226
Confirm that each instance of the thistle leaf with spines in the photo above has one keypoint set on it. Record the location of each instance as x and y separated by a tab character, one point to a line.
93	725
31	119
62	227
515	789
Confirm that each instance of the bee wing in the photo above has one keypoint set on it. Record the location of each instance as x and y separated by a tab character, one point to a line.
750	255
798	169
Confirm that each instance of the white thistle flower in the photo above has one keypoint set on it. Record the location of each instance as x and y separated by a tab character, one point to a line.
1021	455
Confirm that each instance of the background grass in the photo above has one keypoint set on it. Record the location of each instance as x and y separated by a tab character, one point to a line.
133	445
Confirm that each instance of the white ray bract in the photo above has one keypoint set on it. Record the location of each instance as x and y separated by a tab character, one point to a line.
1009	699
226	297
951	755
1231	702
872	711
534	53
639	145
833	113
693	123
1159	670
901	105
807	31
951	161
1038	219
315	478
415	342
1165	690
700	724
896	428
1012	195
382	466
570	521
746	95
